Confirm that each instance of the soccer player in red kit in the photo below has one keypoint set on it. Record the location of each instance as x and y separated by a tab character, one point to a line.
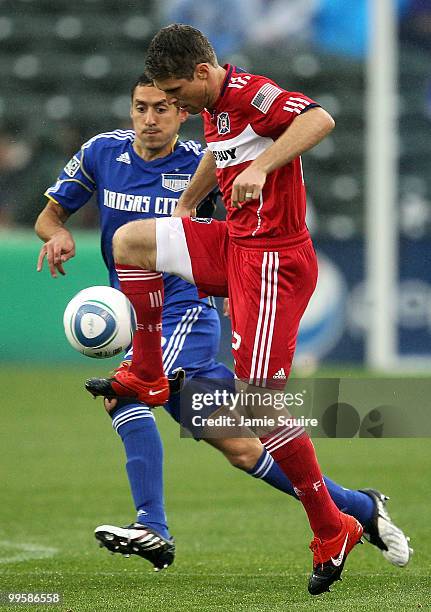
261	257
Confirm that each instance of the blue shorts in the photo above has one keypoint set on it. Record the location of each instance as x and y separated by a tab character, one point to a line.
191	338
191	341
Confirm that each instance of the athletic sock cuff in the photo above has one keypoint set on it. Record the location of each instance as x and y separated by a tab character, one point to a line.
131	415
263	465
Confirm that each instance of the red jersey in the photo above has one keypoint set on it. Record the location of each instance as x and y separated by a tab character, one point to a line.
248	116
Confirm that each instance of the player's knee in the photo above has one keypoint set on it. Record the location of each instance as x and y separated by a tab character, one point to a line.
124	242
134	244
120	243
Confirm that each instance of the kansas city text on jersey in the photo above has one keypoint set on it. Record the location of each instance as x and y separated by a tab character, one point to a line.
139	203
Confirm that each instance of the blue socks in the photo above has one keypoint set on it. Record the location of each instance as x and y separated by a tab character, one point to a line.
137	428
355	503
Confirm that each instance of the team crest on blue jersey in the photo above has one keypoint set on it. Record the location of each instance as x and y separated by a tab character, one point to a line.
223	123
175	182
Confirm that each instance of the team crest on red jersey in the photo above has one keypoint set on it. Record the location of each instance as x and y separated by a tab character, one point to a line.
223	123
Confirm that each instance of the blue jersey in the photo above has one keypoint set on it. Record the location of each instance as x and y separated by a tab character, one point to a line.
128	188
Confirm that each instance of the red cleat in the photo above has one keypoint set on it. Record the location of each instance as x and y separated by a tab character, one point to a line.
329	556
126	384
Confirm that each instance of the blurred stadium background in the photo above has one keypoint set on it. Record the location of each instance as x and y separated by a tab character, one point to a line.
66	71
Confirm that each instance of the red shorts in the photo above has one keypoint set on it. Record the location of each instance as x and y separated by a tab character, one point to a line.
269	289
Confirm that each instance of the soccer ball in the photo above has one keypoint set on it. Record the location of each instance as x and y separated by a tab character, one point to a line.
99	322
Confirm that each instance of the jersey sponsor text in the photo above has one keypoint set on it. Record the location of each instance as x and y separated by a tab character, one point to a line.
225	154
244	147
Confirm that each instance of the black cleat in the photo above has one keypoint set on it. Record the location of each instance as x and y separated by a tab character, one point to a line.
140	540
101	387
384	534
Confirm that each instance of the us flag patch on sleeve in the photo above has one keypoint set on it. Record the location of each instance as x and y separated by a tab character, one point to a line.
265	97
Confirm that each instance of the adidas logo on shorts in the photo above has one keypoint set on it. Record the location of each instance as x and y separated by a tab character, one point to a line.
280	375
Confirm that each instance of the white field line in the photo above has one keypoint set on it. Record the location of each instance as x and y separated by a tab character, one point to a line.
16	552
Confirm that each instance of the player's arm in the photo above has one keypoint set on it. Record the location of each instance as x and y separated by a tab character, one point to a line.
59	244
305	132
202	182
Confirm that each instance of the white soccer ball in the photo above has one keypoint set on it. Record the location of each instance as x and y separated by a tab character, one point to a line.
99	322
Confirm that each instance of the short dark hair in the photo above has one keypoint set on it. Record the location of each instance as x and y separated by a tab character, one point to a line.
142	81
176	50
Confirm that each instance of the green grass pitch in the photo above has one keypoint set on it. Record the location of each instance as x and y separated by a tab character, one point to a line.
240	545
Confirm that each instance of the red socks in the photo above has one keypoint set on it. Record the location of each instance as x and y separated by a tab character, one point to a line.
145	291
297	458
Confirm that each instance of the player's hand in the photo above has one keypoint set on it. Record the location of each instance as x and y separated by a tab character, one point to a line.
110	403
226	307
182	210
247	186
59	249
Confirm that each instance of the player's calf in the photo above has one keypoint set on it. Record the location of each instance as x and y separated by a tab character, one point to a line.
242	453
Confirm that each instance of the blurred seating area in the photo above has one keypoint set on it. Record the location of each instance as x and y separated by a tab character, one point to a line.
67	68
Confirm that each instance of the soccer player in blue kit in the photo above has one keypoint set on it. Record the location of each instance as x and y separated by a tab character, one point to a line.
141	173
